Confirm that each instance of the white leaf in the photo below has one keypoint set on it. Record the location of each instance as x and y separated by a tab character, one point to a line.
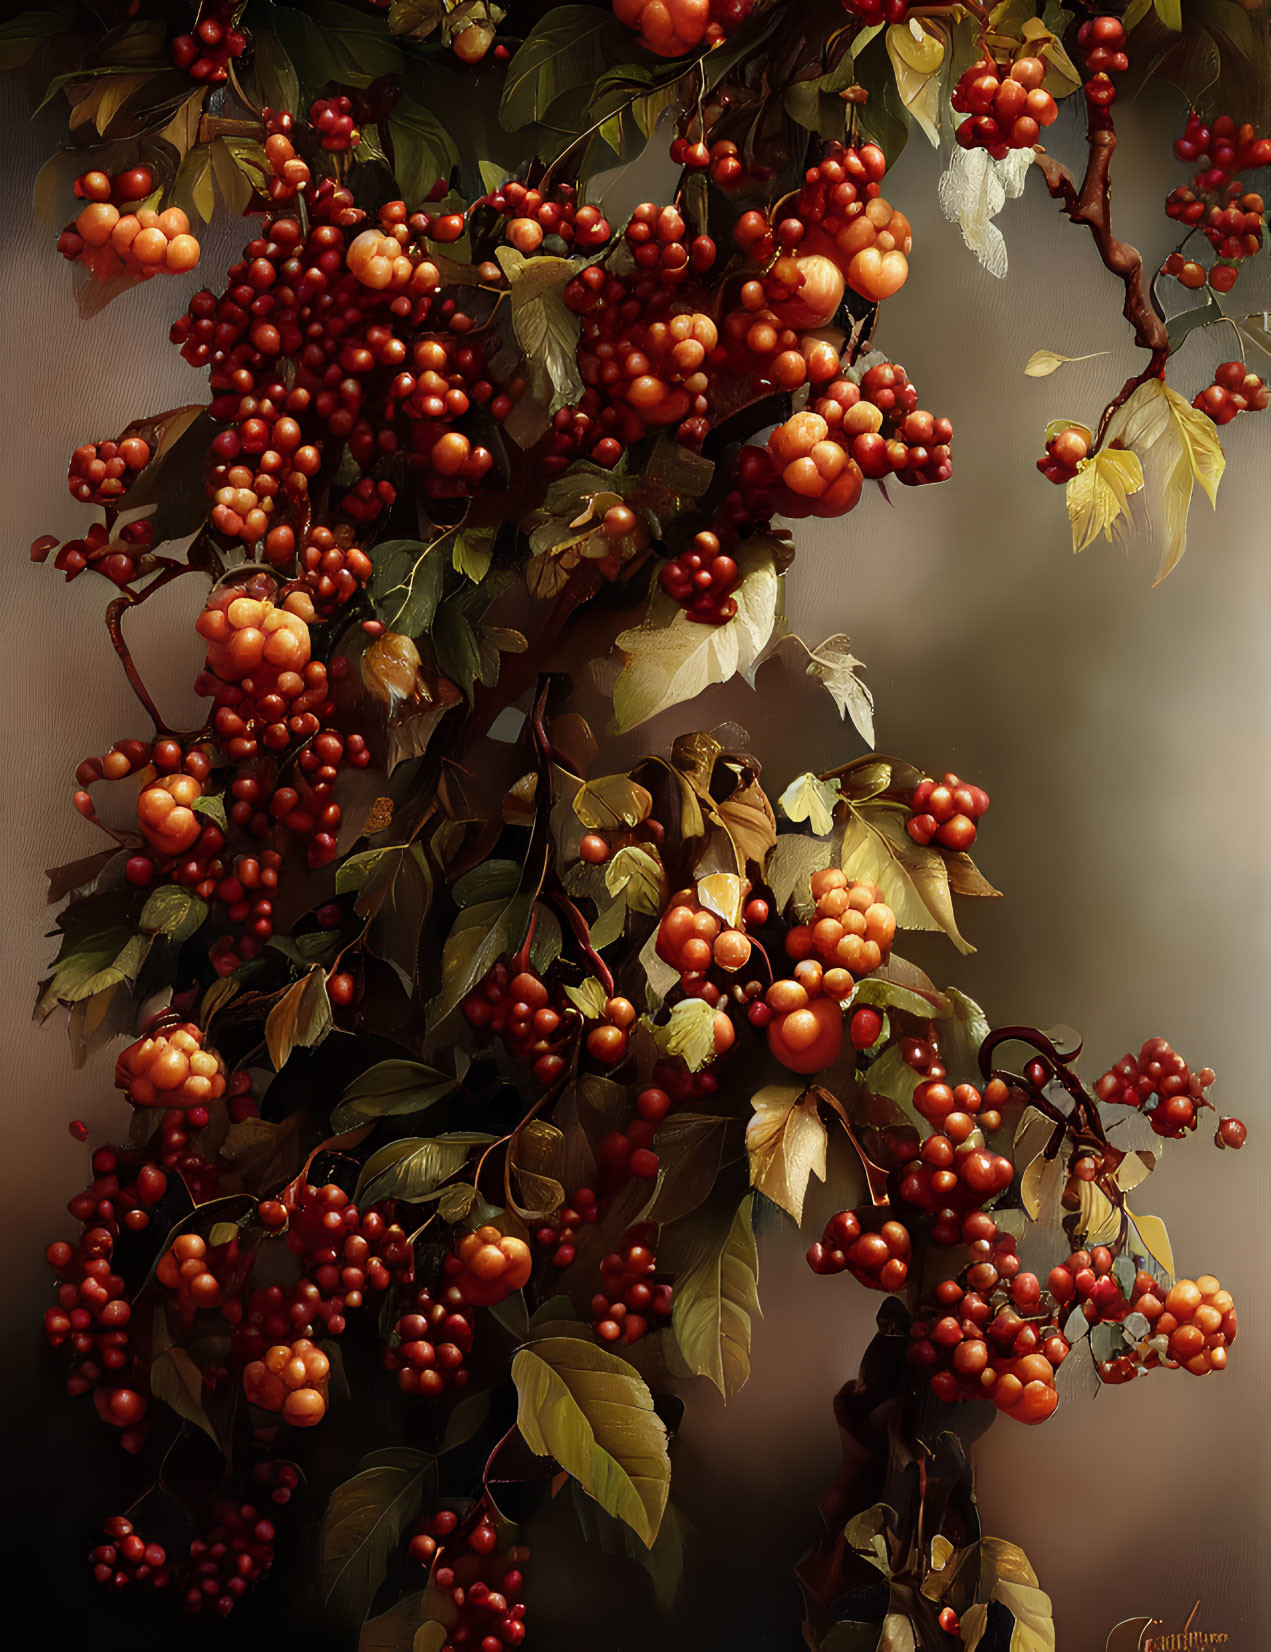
973	190
834	665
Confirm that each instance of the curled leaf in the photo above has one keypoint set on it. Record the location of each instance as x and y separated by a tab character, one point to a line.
1044	362
810	799
1098	495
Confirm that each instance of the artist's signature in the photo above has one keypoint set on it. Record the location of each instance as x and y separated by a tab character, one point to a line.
1152	1635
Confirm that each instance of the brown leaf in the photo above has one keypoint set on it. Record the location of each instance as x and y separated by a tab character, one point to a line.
302	1016
748	819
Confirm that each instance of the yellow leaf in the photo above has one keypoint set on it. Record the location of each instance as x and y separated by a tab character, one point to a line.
1157	419
1170	13
917	51
810	799
201	192
786	1142
1099	493
636	870
1200	442
690	1033
723	893
669	659
1044	362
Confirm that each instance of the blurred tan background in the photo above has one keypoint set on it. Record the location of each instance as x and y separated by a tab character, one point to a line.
1121	730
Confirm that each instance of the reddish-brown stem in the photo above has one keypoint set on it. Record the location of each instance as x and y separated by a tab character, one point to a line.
115	628
1091	205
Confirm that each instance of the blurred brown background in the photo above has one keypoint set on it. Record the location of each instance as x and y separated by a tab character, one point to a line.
1122	731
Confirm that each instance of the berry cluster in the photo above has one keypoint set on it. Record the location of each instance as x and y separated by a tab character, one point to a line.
125	1559
517	1007
291	1379
101	472
850	930
672	27
694	940
1232	219
702	580
1005	108
1101	42
947	811
1234	390
118	560
236	1552
1066	449
487	1266
207	53
560	1231
483	1584
816	461
953	1170
332	119
171	1069
184	1269
631	1303
430	1341
533	217
1158	1082
138	241
875	1252
995	1340
622	1155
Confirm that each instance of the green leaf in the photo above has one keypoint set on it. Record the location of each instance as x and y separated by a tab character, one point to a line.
389	1090
458	651
406	584
566	51
1170	13
961	1037
481	935
664	1562
810	799
546	328
362	1526
271	77
716	1267
415	1167
816	105
330	42
594	1414
173	910
211	808
589	999
397	1629
301	1017
369	867
473	552
423	151
99	950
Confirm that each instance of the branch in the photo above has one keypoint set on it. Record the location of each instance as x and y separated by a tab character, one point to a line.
1091	205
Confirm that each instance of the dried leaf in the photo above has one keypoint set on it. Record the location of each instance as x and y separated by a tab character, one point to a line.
834	665
748	819
1157	419
1098	495
668	659
1044	362
301	1017
1149	1245
594	1414
786	1141
723	893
